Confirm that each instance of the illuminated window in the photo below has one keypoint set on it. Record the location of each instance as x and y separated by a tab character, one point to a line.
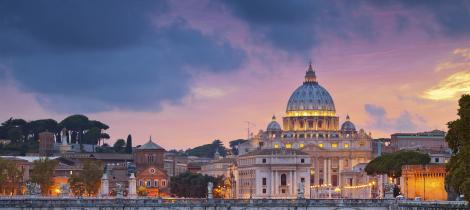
334	145
320	145
446	161
288	146
346	145
301	145
276	146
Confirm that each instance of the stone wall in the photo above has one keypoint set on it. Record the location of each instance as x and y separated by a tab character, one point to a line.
18	203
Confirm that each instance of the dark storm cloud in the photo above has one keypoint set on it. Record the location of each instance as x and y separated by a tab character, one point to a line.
381	121
87	56
295	25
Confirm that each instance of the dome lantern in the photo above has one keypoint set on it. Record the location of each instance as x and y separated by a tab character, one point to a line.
310	76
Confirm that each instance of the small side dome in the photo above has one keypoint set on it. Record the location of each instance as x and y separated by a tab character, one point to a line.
273	125
348	126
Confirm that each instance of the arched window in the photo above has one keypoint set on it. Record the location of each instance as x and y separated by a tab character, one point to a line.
320	123
283	179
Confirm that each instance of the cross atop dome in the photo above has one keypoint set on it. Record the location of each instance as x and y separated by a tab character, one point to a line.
274	117
347	117
310	76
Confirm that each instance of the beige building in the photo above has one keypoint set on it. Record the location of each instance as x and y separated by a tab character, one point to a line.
272	173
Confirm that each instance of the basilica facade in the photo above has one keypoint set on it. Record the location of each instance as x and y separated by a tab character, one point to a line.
310	125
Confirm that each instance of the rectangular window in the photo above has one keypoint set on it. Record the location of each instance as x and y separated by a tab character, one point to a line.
436	160
334	145
149	183
264	181
163	183
264	160
302	179
321	145
264	191
301	145
346	146
288	146
276	146
302	160
155	183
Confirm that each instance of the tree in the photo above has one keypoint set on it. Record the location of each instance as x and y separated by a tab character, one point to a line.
43	173
76	185
208	150
391	163
119	145
77	124
37	126
91	176
198	182
142	191
458	138
10	177
129	144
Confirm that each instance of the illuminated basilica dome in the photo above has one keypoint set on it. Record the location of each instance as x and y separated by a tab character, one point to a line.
310	98
310	107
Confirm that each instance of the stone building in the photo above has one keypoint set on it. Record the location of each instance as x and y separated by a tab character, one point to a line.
272	173
427	141
218	167
424	181
46	143
149	161
311	125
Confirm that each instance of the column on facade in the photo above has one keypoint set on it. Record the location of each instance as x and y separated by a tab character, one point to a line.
295	182
325	171
275	182
271	188
340	168
316	169
329	170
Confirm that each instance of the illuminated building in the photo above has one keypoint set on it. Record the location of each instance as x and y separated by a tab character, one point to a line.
311	125
272	173
149	160
424	181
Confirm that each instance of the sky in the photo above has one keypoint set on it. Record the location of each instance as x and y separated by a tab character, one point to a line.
189	72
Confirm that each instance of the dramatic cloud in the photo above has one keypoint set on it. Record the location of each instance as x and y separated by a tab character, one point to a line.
88	56
381	121
451	87
298	26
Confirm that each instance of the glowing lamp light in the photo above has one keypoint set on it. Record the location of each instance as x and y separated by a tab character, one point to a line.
337	190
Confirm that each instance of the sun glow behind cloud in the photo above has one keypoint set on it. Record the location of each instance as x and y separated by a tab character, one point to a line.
451	87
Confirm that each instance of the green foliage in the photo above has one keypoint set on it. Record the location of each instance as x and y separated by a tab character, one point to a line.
391	163
208	150
458	138
76	185
179	185
91	176
129	144
24	135
43	173
10	177
89	180
119	145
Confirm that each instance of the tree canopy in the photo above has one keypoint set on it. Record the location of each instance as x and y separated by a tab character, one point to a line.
43	173
391	163
234	145
458	138
198	182
24	135
208	150
10	177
